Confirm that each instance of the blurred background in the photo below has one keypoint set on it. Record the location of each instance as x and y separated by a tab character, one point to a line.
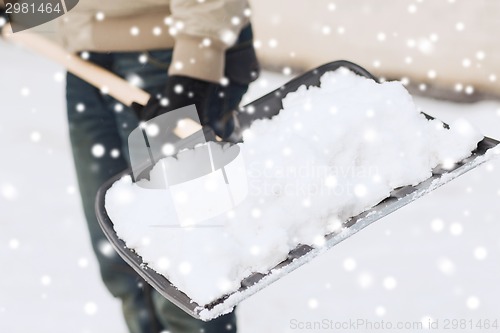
434	260
450	45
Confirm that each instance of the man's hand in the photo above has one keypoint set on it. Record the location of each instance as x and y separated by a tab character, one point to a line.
182	91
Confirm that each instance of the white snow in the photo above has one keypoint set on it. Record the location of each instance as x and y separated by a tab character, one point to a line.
330	154
43	232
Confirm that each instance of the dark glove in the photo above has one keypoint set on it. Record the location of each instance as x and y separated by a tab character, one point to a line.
182	91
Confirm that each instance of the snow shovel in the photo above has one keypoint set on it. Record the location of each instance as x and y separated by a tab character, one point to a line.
265	107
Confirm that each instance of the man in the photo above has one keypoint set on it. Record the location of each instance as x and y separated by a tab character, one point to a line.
203	46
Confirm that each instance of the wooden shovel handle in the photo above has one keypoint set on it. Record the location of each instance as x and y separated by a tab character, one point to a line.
100	78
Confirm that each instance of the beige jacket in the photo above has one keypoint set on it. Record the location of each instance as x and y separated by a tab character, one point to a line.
202	30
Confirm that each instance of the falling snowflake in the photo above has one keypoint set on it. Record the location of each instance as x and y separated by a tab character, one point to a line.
14	244
80	107
365	280
35	136
390	283
437	225
83	262
273	43
380	311
472	302
446	266
9	192
185	268
105	248
134	31
480	253
90	308
115	153
45	280
349	264
98	150
360	190
256	213
456	229
25	91
99	16
312	303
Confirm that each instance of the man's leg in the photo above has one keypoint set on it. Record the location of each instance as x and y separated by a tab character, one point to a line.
153	76
97	149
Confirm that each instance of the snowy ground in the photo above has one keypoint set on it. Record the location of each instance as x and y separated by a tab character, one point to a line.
436	258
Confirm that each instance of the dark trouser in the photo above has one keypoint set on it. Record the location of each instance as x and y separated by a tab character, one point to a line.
97	119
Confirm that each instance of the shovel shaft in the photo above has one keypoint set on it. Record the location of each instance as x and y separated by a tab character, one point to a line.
100	78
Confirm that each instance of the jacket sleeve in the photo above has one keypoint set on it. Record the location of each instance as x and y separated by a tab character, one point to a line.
203	31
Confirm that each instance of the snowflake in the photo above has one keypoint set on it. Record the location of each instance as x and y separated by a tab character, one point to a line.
143	58
134	31
152	129
312	303
135	80
58	76
437	225
98	150
100	16
9	192
446	266
460	26
380	311
90	308
14	244
469	90
456	229
287	71
273	43
349	264
425	46
480	253
365	280
168	149
256	213
157	31
105	248
83	262
45	280
80	107
390	283
235	20
381	37
185	268
472	302
35	136
163	264
360	190
85	55
25	91
115	153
